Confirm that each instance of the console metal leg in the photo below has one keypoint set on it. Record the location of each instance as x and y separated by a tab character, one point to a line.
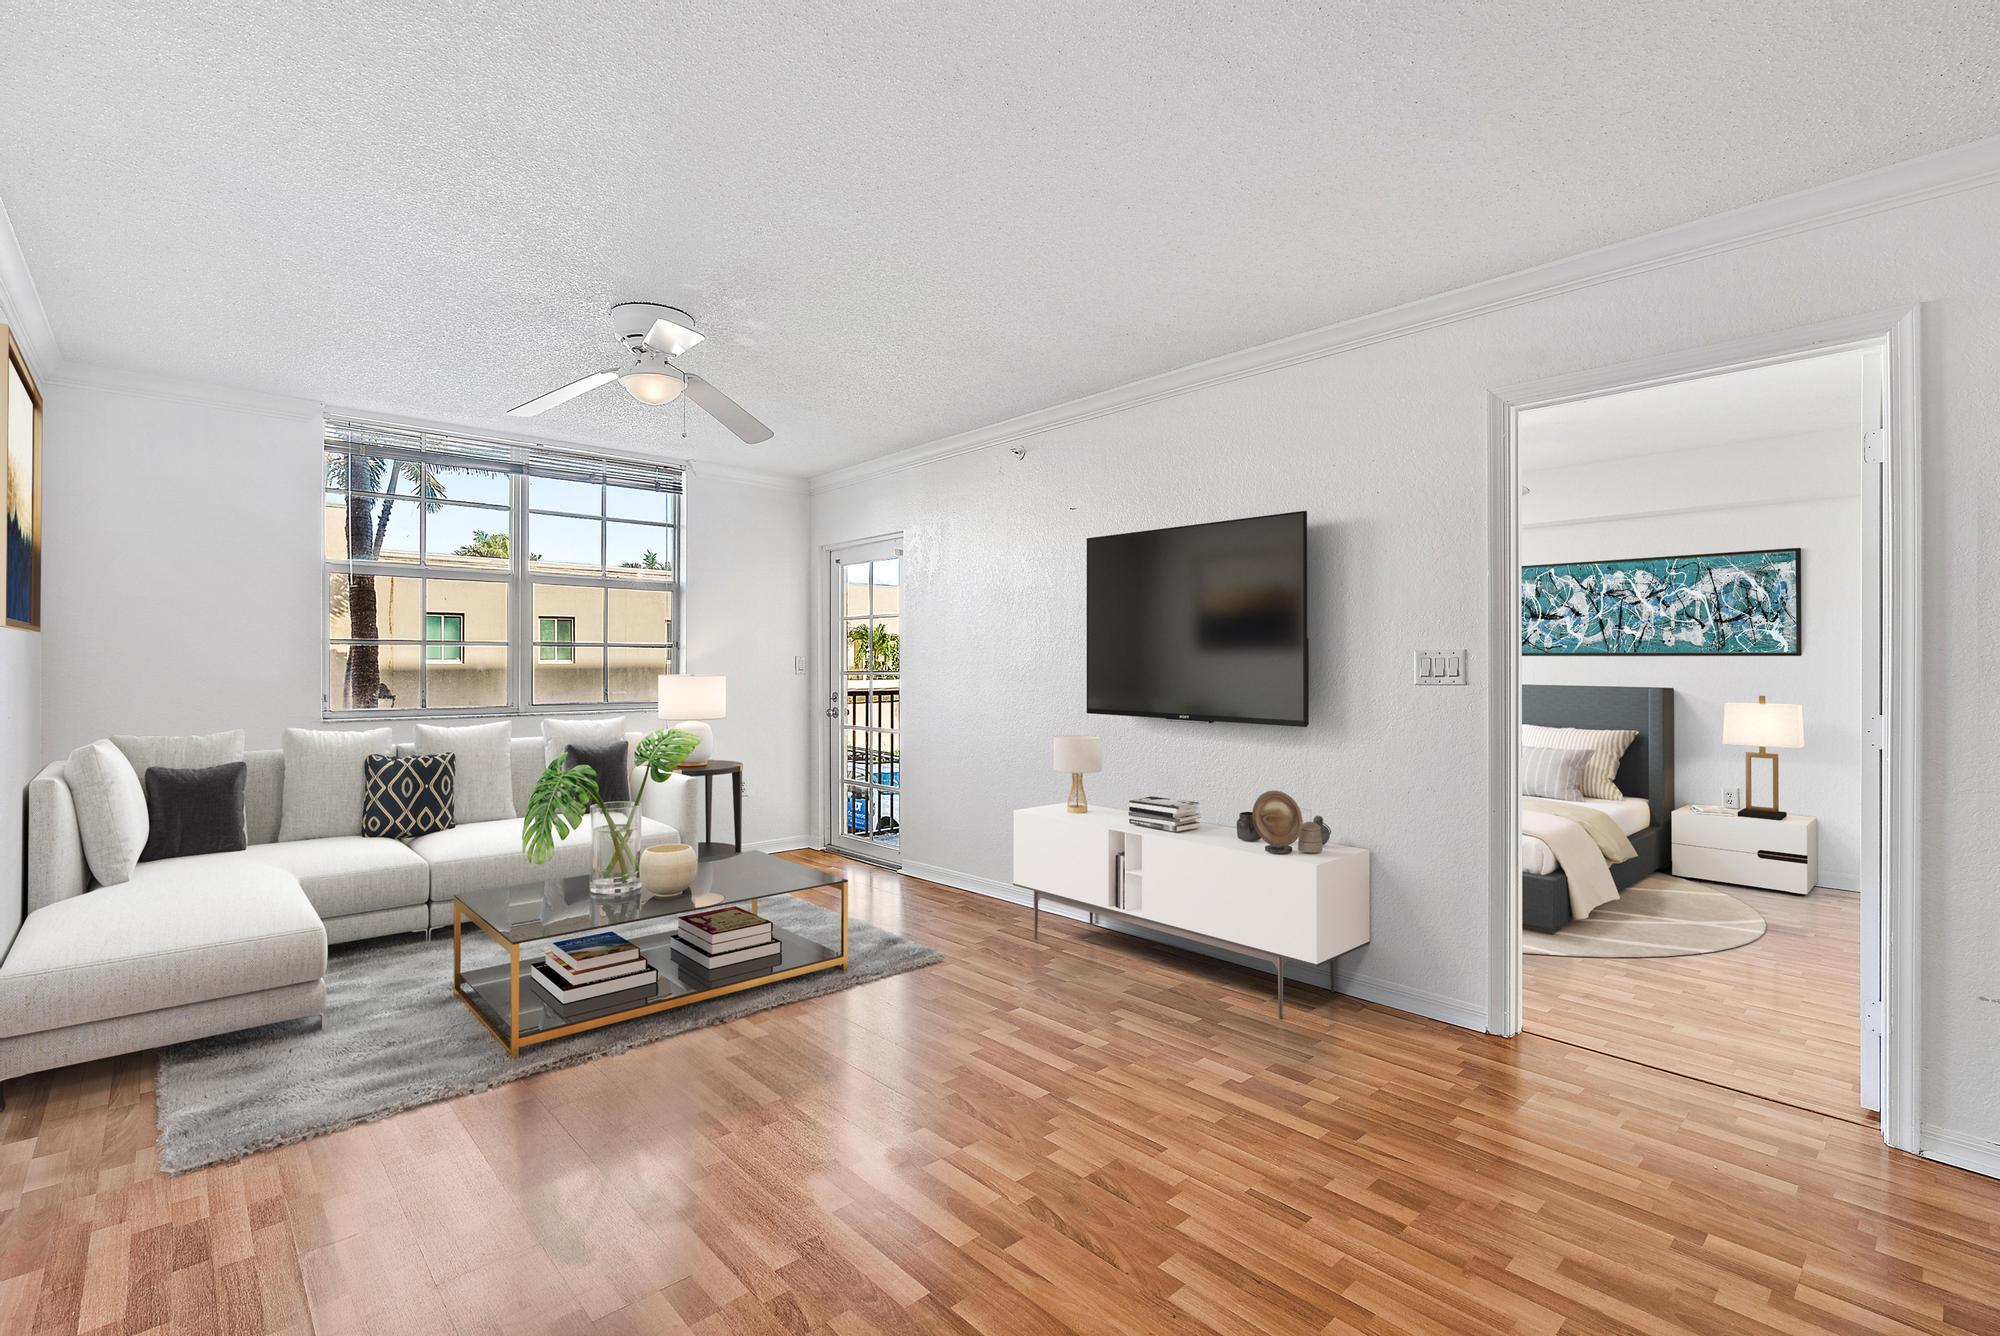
1038	915
1279	961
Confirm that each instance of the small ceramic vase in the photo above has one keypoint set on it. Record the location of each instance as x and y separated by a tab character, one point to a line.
1246	828
667	869
1313	836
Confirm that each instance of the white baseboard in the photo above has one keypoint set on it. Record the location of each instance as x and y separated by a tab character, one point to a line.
1416	1001
1959	1150
781	845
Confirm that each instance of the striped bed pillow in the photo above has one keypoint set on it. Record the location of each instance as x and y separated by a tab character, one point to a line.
1606	745
1548	773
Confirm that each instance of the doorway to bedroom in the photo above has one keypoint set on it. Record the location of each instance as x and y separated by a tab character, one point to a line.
1700	828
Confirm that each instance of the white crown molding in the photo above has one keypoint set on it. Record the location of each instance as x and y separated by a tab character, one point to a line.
118	380
733	473
21	306
1967	167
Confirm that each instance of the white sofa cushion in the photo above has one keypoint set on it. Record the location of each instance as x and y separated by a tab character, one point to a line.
110	810
323	780
350	874
489	853
560	733
178	751
482	778
183	930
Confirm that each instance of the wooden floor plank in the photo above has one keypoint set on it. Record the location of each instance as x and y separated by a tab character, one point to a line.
1086	1133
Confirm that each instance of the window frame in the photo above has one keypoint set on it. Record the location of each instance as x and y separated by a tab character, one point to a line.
517	460
550	647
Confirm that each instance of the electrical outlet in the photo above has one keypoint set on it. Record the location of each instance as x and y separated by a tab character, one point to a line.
1438	668
1729	798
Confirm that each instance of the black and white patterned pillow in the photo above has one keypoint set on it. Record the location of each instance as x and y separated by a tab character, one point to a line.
403	796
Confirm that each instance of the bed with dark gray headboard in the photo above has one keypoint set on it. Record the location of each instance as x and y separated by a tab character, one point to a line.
1647	771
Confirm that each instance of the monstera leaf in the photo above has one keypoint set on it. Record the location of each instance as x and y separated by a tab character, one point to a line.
561	801
662	751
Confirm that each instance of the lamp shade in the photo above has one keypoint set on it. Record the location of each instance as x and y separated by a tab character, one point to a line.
1079	755
684	696
1756	724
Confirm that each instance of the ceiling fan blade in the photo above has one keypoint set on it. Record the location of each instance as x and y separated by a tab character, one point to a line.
726	411
544	403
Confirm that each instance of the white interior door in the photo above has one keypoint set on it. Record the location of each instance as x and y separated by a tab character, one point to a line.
864	708
1875	446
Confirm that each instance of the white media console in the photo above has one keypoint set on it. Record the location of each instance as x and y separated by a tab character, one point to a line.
1203	884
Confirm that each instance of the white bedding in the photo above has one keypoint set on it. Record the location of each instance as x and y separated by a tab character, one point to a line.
1631	815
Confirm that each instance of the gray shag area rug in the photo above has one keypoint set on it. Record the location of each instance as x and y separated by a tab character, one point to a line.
1661	915
393	1037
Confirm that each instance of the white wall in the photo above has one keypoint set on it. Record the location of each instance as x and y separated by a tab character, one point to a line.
1666	505
182	583
1385	445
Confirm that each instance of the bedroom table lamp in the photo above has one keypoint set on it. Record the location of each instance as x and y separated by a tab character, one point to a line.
1079	756
1762	725
694	700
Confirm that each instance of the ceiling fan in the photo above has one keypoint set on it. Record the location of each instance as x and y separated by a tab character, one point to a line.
655	334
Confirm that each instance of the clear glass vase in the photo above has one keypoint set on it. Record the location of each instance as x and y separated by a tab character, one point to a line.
614	849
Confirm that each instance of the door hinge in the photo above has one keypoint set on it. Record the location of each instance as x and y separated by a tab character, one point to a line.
1875	732
1874	446
1871	1017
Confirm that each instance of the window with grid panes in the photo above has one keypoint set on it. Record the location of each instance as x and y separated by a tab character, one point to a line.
482	576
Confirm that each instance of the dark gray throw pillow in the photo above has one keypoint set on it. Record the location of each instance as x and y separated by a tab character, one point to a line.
614	780
197	811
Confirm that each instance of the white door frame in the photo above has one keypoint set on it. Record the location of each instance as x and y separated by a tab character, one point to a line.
1896	334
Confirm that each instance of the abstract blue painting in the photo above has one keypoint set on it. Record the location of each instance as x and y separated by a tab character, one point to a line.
1719	603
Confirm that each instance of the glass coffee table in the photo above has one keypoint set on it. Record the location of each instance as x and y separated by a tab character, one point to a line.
517	917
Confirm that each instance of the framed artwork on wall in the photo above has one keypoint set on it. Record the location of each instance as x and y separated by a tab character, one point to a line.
1715	603
21	454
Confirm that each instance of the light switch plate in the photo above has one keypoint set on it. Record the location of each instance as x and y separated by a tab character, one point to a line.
1438	668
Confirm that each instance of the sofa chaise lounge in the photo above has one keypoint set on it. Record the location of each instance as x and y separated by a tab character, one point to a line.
204	945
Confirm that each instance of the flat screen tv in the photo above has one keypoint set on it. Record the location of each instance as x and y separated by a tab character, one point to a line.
1202	622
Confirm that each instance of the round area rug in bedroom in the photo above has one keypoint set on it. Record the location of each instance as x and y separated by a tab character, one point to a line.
1661	916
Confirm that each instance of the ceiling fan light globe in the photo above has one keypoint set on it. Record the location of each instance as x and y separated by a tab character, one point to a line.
652	387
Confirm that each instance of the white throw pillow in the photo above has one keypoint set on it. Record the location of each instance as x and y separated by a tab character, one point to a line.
482	776
110	810
560	733
179	752
324	775
1606	745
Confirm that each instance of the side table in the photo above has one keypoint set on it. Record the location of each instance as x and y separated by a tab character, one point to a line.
706	771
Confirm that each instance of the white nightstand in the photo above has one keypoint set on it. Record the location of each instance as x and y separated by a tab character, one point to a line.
1747	851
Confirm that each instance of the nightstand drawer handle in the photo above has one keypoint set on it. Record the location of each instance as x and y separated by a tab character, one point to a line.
1777	857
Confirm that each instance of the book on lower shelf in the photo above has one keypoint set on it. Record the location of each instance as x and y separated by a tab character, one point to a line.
597	951
636	986
730	929
713	961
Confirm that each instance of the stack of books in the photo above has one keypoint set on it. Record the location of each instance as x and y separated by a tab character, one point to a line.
601	970
721	940
1174	814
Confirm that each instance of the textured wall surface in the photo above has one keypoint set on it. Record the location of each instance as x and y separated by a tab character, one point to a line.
895	221
1385	446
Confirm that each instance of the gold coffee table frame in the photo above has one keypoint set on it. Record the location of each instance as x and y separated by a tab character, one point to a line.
513	1041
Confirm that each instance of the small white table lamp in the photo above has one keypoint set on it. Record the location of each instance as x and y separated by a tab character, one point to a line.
1763	726
1079	756
694	700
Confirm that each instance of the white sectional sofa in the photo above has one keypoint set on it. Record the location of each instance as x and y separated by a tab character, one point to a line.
217	942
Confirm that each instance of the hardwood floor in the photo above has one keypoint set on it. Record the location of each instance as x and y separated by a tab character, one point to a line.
1780	1017
1085	1133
